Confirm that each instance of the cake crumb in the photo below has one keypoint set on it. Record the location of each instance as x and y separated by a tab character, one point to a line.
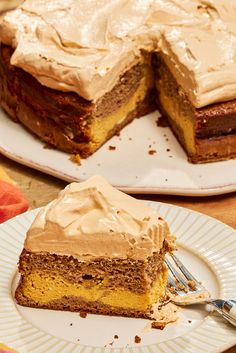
130	138
192	285
47	146
172	290
116	337
71	324
151	152
170	156
180	286
164	314
162	121
112	148
167	150
137	339
158	325
75	158
83	314
189	321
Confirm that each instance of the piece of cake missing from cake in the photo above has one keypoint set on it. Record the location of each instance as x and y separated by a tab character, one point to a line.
95	249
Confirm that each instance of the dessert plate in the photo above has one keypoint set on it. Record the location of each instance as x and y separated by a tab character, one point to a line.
145	158
206	246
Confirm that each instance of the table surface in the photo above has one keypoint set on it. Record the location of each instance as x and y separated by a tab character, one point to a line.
40	188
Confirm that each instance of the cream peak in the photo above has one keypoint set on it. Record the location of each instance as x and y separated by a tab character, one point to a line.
94	219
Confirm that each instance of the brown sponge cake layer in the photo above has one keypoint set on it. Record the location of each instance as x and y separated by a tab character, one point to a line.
105	286
66	120
133	275
207	134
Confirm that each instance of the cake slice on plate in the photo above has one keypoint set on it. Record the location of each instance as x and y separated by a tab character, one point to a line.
95	249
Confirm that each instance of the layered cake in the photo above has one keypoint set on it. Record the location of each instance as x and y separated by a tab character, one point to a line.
95	249
76	82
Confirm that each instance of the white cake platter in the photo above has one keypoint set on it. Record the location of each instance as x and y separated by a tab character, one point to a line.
144	159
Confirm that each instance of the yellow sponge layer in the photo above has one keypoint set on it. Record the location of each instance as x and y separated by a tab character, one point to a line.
101	127
43	288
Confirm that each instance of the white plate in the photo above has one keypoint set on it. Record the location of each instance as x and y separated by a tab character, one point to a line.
129	167
208	248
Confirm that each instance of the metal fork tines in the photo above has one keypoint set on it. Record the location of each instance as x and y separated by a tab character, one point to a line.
183	282
185	289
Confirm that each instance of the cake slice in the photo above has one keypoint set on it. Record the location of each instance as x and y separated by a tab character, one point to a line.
95	249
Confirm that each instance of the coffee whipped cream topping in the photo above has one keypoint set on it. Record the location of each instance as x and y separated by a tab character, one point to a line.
86	48
203	63
82	48
93	219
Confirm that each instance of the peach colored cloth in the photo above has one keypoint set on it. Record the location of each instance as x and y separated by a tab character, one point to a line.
12	201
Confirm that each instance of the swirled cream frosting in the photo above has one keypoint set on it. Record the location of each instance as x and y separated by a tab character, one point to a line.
93	219
84	46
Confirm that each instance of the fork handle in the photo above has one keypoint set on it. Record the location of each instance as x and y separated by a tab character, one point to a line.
227	308
230	307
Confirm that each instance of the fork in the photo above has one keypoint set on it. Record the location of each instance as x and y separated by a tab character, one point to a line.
187	290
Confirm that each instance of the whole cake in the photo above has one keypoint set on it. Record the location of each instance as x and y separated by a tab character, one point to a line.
95	249
76	72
